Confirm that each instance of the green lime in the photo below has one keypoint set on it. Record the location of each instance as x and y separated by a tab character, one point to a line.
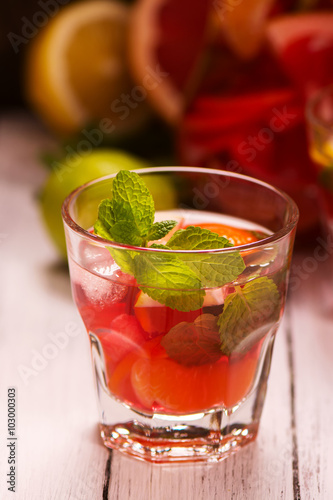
71	173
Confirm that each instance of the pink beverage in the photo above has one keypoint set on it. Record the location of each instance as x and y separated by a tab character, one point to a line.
181	286
145	367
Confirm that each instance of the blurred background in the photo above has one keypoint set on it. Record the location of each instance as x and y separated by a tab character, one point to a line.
214	83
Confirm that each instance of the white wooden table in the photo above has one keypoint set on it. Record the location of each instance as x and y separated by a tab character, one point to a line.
58	451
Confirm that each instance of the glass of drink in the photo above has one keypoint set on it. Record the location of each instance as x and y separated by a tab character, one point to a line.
319	114
182	330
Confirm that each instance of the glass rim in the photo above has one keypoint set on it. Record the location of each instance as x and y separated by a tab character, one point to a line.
274	237
310	109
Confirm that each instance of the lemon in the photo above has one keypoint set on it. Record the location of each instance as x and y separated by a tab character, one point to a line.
76	69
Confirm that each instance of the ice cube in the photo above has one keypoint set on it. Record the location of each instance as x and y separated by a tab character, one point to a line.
97	259
98	275
98	290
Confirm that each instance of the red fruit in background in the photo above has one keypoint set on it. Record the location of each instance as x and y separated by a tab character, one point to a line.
165	41
255	125
303	44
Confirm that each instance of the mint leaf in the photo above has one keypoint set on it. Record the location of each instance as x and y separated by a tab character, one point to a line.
196	238
215	270
212	269
160	229
248	314
128	217
124	259
105	219
126	232
175	285
132	202
101	230
159	245
194	343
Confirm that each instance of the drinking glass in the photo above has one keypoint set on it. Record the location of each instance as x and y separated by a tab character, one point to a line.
319	114
183	379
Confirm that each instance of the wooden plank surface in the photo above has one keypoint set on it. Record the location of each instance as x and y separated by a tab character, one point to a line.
59	452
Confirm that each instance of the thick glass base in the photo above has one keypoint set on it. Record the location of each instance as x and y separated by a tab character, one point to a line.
209	436
178	442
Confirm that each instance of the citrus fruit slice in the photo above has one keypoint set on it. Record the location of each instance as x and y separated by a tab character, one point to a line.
166	385
304	46
76	68
119	377
240	377
155	318
243	24
235	235
283	30
124	336
166	38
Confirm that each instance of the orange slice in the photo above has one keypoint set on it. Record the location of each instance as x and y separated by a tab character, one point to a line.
283	30
166	38
163	384
235	235
178	388
243	24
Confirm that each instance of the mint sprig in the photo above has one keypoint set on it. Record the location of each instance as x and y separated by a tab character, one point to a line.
129	215
175	280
